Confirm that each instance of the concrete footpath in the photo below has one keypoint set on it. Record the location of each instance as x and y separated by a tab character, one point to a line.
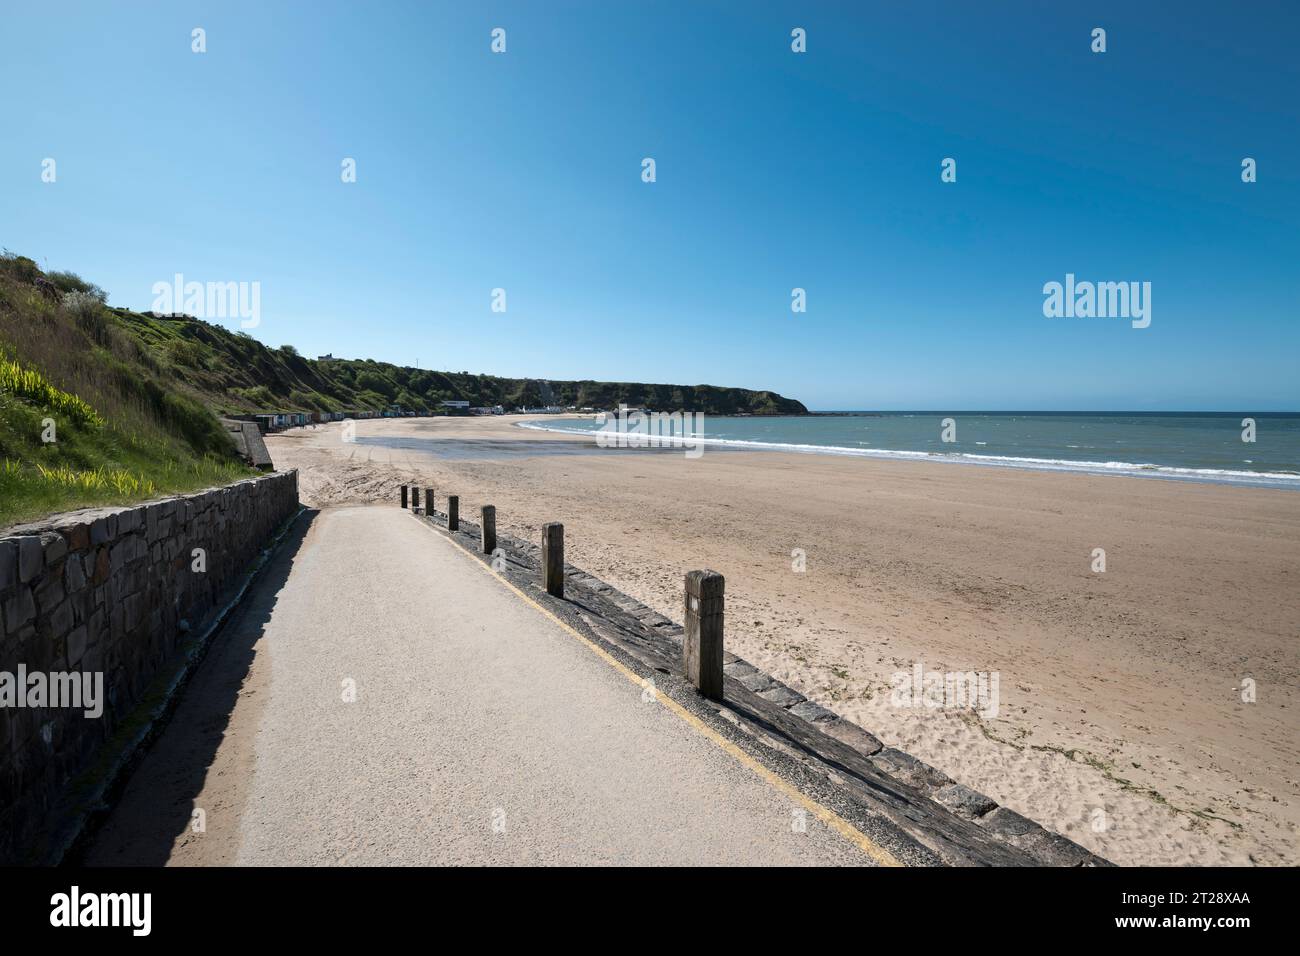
381	698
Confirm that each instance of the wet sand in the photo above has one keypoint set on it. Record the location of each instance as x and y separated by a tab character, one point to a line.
1121	721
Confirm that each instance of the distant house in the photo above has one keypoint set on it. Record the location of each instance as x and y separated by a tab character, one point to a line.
324	358
272	421
456	404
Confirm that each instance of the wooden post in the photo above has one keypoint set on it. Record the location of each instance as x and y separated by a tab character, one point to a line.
553	558
415	497
702	643
453	512
488	527
403	496
428	501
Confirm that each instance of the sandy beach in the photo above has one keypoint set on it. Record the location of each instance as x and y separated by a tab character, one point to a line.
1121	721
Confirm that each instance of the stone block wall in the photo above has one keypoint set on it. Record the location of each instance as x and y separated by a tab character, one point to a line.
109	591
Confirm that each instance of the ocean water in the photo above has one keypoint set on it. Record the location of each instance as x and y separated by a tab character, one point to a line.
1175	446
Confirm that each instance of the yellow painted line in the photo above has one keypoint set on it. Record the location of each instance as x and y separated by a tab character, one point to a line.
826	815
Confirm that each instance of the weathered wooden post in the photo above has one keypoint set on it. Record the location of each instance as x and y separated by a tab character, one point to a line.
415	497
702	644
553	558
453	512
488	527
428	501
403	496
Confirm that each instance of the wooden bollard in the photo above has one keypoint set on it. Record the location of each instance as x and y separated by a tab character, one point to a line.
415	497
428	501
553	558
702	644
488	528
453	512
403	496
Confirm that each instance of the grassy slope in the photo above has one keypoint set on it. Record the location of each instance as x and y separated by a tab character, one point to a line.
236	373
150	385
123	433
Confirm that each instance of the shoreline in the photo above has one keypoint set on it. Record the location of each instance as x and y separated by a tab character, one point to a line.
1118	690
1217	476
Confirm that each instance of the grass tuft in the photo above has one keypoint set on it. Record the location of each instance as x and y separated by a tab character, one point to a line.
30	384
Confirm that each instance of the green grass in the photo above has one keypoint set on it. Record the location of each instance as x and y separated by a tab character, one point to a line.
28	492
233	372
91	465
29	384
121	430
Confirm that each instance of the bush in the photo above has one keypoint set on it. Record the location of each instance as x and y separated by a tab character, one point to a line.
185	352
71	282
374	382
258	395
86	307
304	401
19	267
89	313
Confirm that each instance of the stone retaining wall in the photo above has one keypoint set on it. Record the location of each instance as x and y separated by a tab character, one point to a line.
109	592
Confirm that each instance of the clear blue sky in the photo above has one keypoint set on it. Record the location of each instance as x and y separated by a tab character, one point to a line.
775	170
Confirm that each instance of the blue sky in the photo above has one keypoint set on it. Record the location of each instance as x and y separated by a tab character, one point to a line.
775	170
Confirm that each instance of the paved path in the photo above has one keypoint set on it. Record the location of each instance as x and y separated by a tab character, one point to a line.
482	733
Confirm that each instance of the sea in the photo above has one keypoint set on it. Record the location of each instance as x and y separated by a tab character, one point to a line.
1177	446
